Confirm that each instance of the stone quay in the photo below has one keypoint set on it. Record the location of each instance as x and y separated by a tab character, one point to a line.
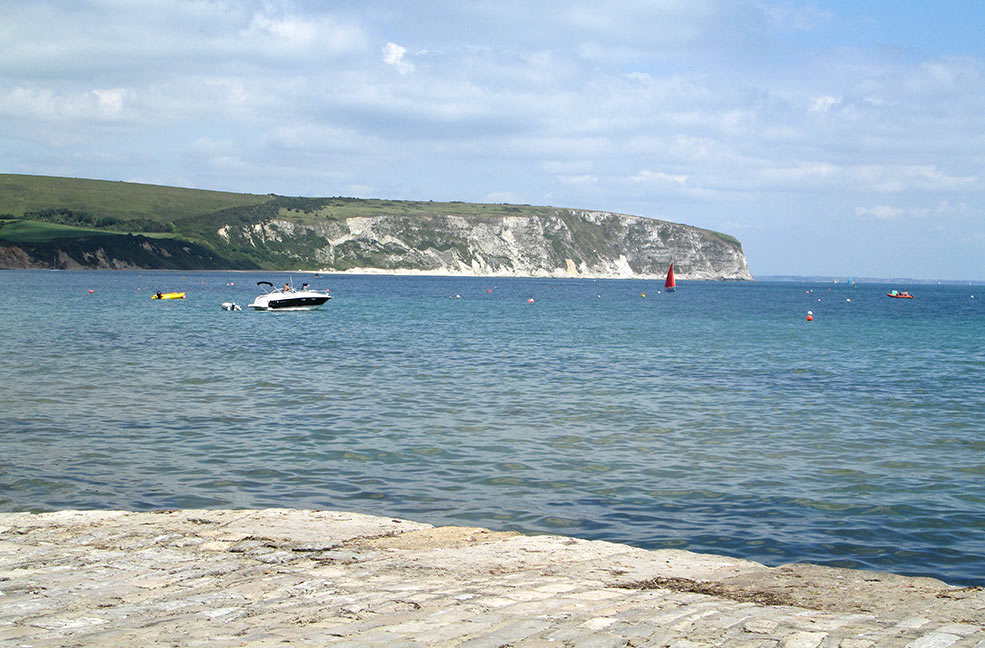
321	578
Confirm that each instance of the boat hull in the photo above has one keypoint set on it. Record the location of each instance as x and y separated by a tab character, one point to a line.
180	295
289	303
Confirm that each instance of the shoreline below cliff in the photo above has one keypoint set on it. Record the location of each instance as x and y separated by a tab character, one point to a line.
395	273
505	275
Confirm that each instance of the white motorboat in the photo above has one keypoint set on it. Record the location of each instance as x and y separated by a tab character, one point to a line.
288	298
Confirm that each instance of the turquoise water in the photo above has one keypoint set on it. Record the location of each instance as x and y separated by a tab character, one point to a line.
715	419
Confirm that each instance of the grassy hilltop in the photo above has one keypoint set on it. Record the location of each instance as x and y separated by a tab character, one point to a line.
71	222
23	195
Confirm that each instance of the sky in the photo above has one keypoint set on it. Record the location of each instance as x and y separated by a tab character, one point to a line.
841	138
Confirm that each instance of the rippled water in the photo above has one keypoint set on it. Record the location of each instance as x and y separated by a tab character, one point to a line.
714	419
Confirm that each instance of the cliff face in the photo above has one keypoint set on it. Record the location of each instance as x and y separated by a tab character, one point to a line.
562	243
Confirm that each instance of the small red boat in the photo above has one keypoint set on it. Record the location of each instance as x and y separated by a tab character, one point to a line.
899	294
670	285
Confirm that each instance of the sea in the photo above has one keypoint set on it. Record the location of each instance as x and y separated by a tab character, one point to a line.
715	419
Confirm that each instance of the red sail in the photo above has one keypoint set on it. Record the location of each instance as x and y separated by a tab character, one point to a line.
670	284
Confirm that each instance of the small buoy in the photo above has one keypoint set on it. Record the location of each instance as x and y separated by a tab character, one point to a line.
458	296
530	301
848	299
642	294
810	318
91	290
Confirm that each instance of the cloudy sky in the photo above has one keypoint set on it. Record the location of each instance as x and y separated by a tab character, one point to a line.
842	137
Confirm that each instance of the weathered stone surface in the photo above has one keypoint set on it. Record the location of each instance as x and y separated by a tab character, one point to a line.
260	578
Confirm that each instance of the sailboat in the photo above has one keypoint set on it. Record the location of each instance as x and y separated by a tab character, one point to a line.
670	285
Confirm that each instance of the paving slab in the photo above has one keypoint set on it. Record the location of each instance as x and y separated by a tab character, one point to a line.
276	576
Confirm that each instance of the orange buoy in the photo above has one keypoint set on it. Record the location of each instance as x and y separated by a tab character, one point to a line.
810	318
530	301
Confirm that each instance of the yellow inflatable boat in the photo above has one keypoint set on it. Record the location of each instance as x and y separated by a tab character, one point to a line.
160	295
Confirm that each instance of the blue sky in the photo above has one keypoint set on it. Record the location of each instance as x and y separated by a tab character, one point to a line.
833	138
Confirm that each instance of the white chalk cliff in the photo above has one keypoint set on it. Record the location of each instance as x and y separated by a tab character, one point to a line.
559	243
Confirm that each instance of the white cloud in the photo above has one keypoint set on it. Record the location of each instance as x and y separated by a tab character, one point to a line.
879	212
309	138
913	177
583	180
45	104
231	90
566	167
958	210
312	35
218	154
824	104
659	177
290	29
803	174
393	54
110	101
870	178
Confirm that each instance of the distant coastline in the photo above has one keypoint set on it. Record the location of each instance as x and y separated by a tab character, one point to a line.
869	280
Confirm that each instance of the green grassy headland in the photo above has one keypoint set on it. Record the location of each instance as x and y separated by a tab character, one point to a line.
44	218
